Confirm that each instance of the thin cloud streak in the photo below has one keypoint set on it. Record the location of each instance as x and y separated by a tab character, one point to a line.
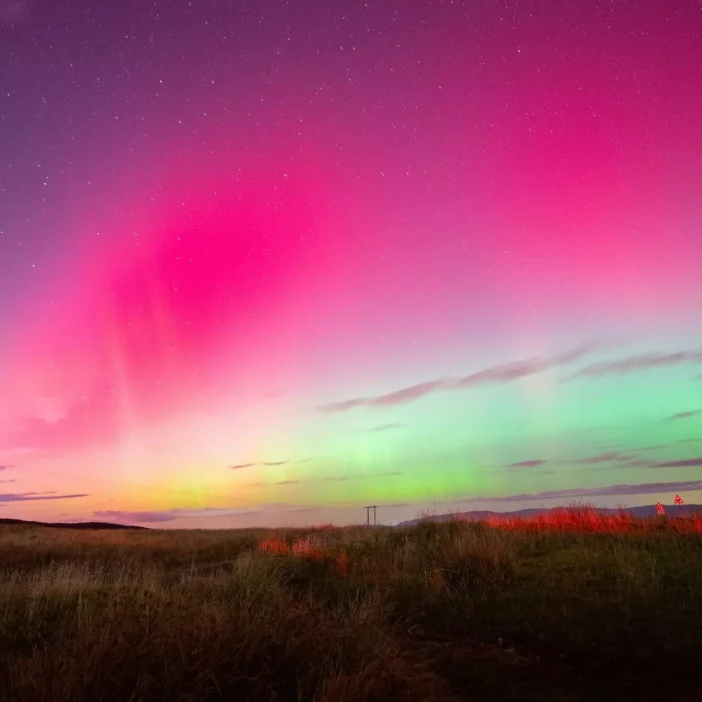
656	447
531	463
684	415
646	361
501	373
37	496
358	476
608	457
398	397
267	464
169	515
604	491
684	463
383	427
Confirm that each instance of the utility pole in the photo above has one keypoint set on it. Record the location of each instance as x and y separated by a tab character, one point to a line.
375	519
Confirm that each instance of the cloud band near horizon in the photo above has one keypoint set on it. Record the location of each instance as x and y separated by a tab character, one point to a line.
603	491
37	496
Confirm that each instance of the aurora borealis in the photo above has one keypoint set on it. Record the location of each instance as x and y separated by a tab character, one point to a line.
268	262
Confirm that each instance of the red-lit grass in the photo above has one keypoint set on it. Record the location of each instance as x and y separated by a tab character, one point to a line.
342	563
588	520
310	546
272	545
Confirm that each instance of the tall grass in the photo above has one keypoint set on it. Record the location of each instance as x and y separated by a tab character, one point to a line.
511	610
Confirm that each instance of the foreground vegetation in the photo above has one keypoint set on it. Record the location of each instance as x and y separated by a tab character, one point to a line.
560	611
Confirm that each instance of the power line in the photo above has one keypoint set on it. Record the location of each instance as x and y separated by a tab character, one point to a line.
368	508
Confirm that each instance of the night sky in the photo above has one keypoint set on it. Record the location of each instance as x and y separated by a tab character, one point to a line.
269	262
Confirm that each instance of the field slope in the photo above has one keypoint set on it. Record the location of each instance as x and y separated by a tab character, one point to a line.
568	610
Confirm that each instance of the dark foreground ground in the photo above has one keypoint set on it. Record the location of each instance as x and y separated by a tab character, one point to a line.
451	611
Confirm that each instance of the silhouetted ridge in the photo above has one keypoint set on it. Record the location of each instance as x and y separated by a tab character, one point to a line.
70	525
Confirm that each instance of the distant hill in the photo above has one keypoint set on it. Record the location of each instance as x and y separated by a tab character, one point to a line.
481	515
69	525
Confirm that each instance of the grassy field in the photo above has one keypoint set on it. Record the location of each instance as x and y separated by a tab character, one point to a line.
568	609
